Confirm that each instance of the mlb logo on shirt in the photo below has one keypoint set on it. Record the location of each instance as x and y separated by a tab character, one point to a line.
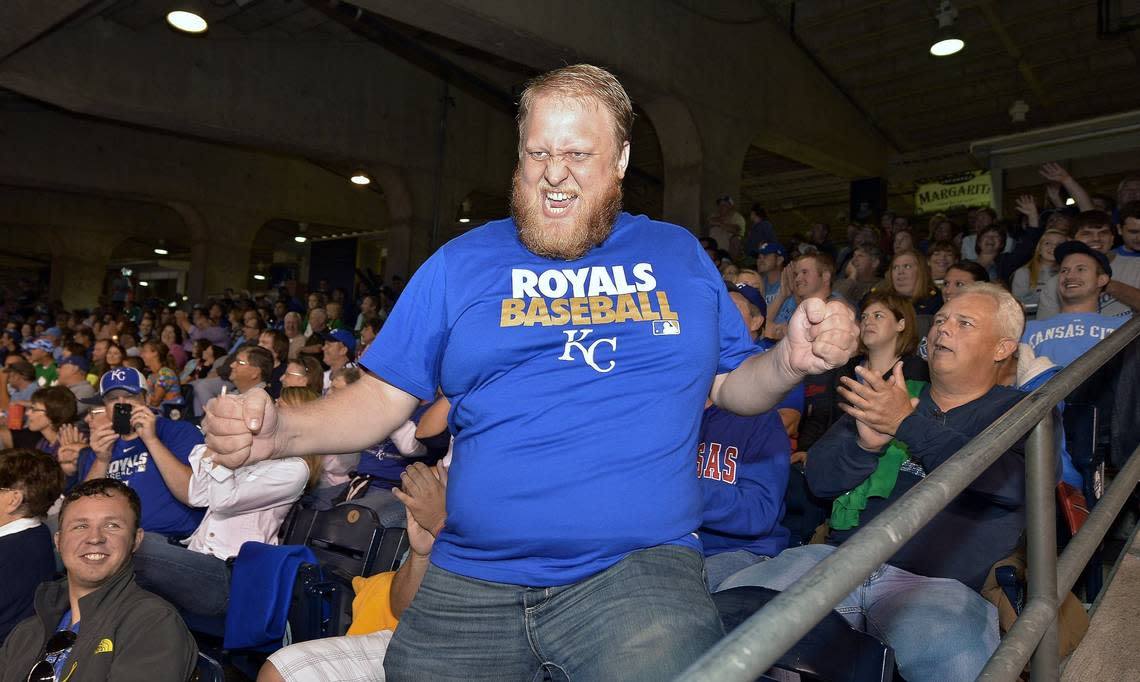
666	327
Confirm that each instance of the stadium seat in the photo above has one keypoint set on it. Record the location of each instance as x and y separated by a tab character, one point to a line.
832	650
803	512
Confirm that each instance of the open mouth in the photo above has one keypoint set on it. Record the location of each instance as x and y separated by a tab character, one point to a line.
1071	285
939	348
94	557
555	204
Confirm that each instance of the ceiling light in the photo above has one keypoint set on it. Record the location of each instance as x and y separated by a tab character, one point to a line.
144	284
187	22
161	251
185	298
1070	201
360	179
300	239
259	278
464	220
948	41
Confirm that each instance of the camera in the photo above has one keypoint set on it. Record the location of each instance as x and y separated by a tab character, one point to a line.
121	419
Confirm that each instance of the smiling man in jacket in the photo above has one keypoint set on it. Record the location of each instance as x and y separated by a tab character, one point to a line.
97	624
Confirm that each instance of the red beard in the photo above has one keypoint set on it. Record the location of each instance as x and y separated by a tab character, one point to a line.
591	227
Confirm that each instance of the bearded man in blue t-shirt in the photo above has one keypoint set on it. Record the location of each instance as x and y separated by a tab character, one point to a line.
576	345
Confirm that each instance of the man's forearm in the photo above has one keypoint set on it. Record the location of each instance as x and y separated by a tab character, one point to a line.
175	474
1126	294
758	384
360	416
98	469
407	581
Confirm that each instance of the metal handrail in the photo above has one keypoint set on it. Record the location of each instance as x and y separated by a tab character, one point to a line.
752	648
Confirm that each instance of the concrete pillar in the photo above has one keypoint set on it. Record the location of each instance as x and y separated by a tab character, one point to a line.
681	152
220	247
79	260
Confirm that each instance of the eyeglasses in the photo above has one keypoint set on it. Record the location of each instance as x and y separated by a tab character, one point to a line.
38	409
243	363
44	671
297	374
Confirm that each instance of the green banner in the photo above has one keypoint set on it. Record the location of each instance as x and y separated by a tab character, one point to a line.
972	189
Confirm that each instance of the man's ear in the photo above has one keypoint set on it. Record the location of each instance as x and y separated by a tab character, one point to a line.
1004	349
623	159
1102	281
138	540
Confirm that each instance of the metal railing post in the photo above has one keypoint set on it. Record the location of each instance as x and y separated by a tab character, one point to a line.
1041	534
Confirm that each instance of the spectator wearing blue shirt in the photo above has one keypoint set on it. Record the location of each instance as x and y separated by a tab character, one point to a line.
576	397
770	261
809	275
1083	276
153	458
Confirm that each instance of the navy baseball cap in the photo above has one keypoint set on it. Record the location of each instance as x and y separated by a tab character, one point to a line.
343	336
1074	246
126	379
77	360
753	295
769	248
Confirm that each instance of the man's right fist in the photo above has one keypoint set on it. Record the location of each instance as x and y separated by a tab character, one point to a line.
240	430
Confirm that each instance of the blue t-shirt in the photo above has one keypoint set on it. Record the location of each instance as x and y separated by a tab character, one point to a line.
743	464
130	463
1067	336
576	392
788	307
1123	250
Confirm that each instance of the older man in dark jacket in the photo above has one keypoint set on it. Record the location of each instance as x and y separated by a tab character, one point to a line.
96	624
924	602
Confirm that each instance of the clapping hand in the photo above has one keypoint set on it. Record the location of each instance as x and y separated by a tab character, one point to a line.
71	442
423	491
877	406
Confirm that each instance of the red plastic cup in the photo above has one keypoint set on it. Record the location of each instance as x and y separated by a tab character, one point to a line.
15	417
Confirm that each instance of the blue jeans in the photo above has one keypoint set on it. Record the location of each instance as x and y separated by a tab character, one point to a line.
646	618
718	567
192	581
939	628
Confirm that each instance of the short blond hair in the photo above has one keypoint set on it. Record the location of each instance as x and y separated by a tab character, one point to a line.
1010	314
580	81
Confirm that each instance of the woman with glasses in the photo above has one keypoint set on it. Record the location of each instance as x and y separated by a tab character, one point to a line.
304	372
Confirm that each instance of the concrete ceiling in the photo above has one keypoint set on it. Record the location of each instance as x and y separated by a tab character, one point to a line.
872	52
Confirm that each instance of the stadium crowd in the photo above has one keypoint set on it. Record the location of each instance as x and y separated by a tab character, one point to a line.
147	442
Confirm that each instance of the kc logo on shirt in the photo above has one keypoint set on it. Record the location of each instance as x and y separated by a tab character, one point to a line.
592	296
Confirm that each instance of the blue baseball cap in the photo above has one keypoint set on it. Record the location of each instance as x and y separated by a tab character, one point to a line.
769	248
753	295
77	360
126	379
343	336
41	344
53	331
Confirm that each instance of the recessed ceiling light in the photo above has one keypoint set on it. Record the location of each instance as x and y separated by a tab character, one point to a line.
144	284
161	251
300	239
464	220
187	22
1070	201
360	179
259	278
